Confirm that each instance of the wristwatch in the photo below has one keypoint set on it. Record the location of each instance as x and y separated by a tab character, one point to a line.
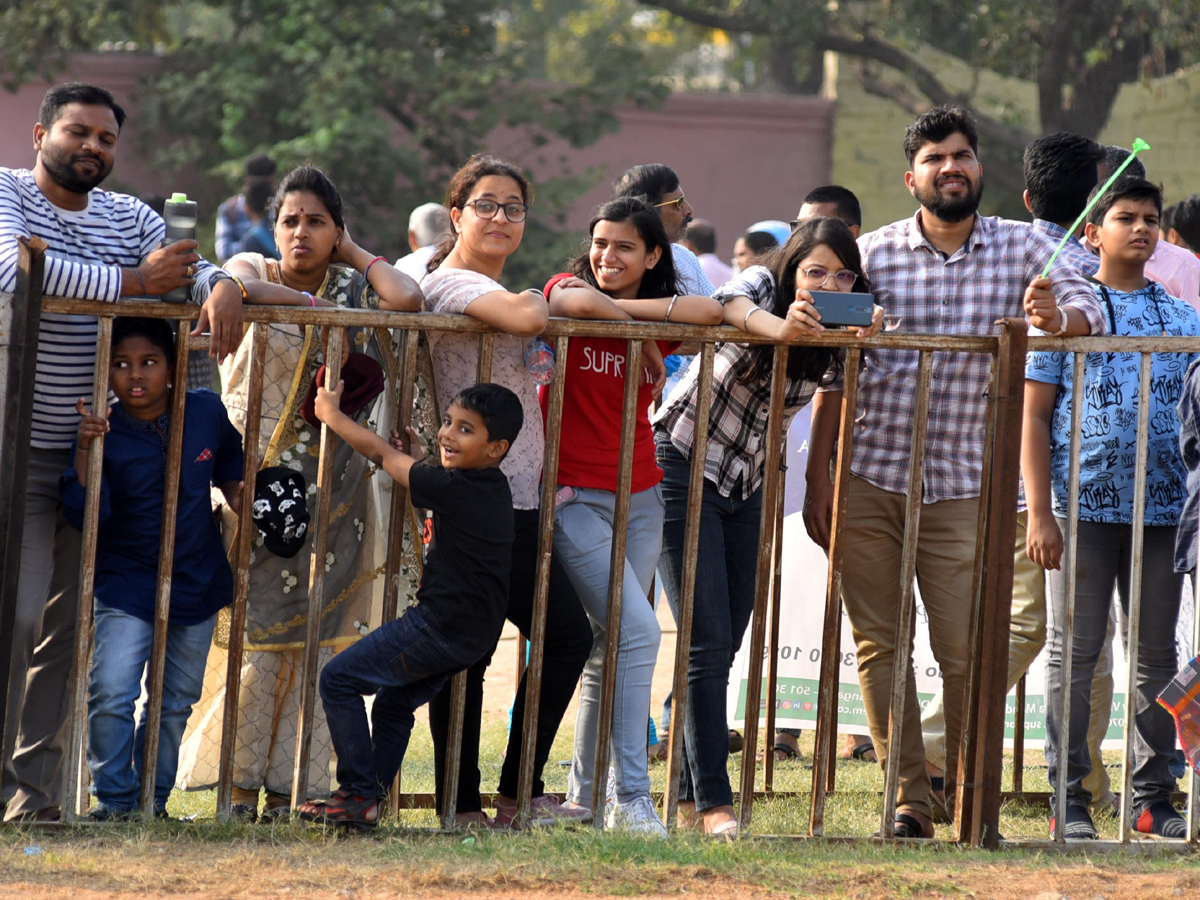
1063	327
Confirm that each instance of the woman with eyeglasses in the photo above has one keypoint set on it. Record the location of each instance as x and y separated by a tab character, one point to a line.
771	300
488	201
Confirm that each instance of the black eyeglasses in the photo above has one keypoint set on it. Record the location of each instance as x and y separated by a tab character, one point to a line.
487	209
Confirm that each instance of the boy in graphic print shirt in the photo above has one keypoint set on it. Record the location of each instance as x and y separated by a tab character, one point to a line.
1123	229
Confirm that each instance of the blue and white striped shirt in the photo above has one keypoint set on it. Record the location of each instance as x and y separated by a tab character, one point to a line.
87	250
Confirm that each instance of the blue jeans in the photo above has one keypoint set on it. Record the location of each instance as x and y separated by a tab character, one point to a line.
404	664
119	663
723	604
583	534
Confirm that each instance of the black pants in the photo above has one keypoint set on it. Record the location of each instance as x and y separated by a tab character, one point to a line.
568	644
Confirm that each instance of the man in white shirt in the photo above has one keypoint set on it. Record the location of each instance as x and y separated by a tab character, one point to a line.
426	224
102	246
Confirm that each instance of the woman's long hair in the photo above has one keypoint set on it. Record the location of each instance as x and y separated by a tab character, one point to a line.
458	193
804	363
658	281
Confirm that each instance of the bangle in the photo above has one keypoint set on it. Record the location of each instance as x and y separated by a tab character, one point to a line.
138	276
241	287
749	313
312	301
537	291
671	306
1062	326
367	270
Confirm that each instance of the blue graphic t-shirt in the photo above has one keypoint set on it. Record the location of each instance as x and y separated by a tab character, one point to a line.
1108	445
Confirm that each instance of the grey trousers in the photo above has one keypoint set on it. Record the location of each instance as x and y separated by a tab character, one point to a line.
39	682
1104	562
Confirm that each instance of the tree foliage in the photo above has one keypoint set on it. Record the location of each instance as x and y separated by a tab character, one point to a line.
390	97
1078	52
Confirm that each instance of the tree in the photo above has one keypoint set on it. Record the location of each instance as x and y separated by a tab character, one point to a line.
1079	52
389	97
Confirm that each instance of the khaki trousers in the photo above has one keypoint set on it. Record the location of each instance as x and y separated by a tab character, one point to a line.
874	537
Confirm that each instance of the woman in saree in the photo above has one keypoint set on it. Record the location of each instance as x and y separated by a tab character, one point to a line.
321	266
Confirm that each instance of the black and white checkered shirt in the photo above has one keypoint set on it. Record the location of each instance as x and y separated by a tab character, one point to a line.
737	419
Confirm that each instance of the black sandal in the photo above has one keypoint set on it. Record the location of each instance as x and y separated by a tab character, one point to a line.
911	827
789	752
342	808
860	752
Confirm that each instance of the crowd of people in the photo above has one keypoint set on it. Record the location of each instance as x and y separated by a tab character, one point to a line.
477	468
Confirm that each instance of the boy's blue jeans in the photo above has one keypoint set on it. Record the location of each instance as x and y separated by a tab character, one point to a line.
122	651
404	664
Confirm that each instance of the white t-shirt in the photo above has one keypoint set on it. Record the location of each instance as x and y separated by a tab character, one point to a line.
456	360
413	265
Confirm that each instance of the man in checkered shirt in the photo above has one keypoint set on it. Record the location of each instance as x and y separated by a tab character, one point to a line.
946	270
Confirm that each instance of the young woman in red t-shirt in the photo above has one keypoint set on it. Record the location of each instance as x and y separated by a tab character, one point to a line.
627	273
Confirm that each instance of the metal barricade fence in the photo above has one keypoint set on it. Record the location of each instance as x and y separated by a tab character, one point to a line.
979	797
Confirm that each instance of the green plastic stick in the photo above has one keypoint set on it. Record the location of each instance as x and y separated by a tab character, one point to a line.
1138	146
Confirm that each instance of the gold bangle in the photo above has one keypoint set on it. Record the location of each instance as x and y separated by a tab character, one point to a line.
241	287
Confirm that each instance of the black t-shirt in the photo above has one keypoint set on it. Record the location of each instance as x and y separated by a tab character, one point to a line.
464	590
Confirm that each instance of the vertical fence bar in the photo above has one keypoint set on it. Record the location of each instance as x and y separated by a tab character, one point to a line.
166	568
241	576
961	801
982	762
616	578
1135	592
902	664
1018	776
16	427
537	629
758	630
73	758
458	683
831	650
399	513
316	579
687	586
773	637
1068	623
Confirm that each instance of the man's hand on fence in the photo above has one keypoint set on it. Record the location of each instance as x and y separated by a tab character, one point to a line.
1044	542
221	316
168	267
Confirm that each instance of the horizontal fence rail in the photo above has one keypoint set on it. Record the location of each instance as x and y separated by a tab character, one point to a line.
980	762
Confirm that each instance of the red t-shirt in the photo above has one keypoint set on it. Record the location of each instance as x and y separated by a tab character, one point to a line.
591	416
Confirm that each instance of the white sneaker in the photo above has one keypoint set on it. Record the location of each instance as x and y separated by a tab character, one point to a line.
638	816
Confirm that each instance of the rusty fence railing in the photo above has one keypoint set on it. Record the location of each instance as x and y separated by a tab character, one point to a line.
981	755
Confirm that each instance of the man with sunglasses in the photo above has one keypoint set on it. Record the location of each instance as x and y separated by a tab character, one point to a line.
946	270
658	185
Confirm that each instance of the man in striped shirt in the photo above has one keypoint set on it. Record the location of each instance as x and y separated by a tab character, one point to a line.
101	246
946	270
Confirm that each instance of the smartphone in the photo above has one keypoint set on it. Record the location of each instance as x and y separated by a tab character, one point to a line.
837	308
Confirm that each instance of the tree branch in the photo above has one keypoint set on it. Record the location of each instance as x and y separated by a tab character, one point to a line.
720	21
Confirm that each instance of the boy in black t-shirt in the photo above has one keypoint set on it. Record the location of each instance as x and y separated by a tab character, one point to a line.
460	604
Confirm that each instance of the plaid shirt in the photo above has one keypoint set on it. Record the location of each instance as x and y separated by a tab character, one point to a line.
965	294
737	419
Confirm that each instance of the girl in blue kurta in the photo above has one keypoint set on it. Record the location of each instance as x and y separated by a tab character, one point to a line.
131	500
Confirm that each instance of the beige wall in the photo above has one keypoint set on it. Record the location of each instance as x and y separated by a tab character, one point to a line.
868	157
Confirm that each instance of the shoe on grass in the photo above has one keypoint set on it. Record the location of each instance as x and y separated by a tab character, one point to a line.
544	810
1161	819
1078	825
637	816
